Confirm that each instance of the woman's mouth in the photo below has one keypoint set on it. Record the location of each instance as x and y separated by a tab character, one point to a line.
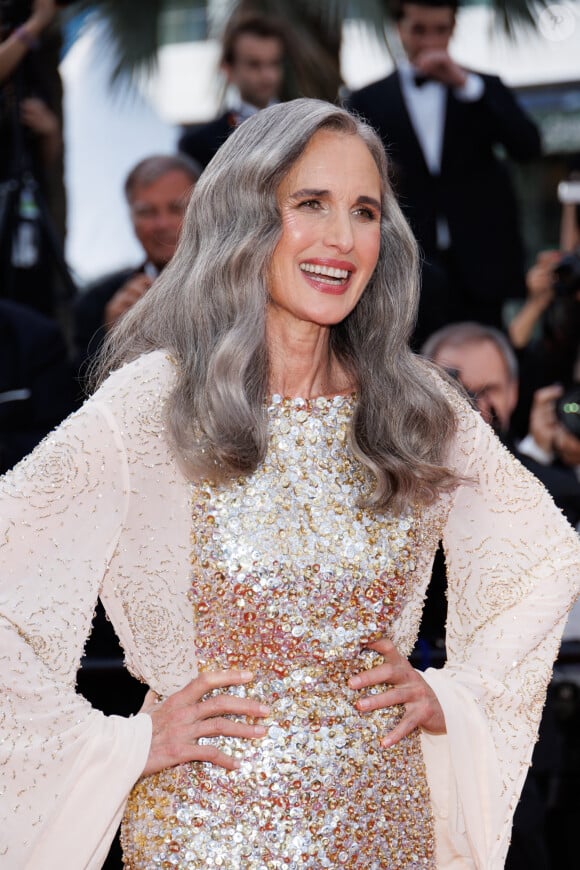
331	275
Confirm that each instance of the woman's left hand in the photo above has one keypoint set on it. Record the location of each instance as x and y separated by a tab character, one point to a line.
422	709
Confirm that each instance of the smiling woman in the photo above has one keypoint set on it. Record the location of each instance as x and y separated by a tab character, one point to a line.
327	252
257	492
244	231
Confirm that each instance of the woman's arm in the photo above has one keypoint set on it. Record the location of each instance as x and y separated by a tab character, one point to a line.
62	511
513	566
540	293
569	229
68	513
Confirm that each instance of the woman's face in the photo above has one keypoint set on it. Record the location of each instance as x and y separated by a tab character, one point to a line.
330	203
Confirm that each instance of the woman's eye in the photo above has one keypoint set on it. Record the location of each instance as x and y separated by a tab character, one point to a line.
367	213
310	203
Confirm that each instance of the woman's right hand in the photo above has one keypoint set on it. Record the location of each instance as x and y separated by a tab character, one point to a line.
181	719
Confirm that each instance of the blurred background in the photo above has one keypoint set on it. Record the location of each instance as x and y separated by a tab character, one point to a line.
165	59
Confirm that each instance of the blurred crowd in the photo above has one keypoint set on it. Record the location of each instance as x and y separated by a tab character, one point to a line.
441	126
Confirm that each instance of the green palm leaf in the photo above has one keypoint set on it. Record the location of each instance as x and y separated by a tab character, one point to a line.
315	28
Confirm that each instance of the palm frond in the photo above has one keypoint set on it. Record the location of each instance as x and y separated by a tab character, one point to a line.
314	33
513	14
131	35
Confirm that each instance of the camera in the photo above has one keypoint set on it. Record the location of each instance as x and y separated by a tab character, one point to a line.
567	275
568	410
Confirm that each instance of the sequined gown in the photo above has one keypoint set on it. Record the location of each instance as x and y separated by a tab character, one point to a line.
288	577
102	508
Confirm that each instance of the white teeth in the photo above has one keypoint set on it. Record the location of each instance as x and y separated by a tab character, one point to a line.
328	271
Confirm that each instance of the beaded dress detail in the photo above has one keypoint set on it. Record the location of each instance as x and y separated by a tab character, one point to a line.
289	576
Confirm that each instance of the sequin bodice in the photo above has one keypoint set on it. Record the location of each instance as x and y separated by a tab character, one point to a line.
288	560
289	576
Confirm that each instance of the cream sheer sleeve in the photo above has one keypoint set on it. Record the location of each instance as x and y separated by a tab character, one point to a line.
65	769
513	566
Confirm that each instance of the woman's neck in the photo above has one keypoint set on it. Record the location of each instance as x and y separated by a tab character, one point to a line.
301	362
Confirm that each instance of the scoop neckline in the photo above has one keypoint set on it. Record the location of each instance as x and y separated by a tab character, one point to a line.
301	401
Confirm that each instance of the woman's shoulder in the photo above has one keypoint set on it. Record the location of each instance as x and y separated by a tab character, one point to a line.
448	388
135	394
469	424
151	374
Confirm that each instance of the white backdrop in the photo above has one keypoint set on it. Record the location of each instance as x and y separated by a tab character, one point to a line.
106	133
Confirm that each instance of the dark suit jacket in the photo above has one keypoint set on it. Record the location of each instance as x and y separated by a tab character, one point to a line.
201	143
89	312
36	382
472	191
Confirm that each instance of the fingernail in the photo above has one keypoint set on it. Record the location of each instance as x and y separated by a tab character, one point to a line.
363	704
354	682
246	675
260	730
263	709
386	742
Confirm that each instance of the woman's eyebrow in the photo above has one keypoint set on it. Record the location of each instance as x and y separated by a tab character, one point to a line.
309	191
369	200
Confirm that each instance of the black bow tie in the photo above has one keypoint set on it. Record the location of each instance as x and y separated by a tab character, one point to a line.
421	79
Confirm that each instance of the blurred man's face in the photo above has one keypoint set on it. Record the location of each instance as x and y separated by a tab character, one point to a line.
425	28
567	447
256	70
157	211
483	372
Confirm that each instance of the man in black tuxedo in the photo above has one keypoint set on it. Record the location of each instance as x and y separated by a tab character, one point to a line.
252	61
440	124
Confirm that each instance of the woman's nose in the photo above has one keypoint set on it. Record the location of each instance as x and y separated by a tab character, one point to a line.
339	233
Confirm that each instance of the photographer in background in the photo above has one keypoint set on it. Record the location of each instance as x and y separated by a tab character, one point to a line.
31	93
546	331
540	295
157	190
20	41
36	381
482	360
554	432
32	195
569	196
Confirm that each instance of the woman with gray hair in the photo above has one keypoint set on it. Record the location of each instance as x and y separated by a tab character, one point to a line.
256	491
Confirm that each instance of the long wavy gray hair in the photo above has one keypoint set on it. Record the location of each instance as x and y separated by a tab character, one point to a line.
208	309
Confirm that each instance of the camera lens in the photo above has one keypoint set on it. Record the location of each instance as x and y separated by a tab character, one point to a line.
568	410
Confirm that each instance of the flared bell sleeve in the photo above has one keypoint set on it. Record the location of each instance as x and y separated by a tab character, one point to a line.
513	566
65	769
